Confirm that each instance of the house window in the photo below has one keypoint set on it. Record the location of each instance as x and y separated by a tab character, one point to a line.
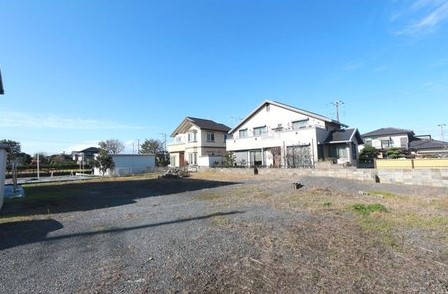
354	152
192	158
386	144
300	124
243	133
259	131
256	158
404	143
210	137
173	160
192	137
341	152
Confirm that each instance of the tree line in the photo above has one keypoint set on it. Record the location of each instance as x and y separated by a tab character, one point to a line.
21	159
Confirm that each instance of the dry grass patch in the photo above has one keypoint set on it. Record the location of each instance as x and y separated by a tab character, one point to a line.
220	176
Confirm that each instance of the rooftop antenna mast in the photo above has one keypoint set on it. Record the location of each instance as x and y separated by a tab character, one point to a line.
337	103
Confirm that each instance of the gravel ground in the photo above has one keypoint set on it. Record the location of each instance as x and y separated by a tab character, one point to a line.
174	237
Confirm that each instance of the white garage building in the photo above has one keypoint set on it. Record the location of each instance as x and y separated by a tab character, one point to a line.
129	164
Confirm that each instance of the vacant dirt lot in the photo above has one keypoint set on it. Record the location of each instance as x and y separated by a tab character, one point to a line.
225	233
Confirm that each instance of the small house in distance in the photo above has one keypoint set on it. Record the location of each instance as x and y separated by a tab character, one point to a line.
425	146
129	164
406	140
85	155
198	142
385	138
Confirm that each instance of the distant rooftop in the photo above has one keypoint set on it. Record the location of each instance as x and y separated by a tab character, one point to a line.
203	124
208	124
422	144
387	132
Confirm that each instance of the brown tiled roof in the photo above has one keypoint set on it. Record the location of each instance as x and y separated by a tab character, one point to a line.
207	124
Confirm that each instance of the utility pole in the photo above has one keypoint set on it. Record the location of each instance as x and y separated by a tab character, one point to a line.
441	130
164	146
2	91
337	103
164	140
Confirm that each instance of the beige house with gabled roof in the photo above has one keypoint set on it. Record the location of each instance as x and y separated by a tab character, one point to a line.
198	142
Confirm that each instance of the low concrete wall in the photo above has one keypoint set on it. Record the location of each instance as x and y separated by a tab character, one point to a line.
431	163
343	173
420	177
381	164
394	164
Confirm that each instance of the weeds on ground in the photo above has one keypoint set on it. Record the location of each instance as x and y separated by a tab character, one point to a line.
385	195
367	209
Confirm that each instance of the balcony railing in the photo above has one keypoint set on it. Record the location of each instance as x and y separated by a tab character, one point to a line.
272	133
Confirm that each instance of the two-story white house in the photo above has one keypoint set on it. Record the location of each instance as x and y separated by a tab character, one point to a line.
279	135
198	142
385	138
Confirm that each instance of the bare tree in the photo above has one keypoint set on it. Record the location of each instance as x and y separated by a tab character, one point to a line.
112	146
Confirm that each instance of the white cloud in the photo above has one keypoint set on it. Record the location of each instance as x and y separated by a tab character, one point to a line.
49	121
423	17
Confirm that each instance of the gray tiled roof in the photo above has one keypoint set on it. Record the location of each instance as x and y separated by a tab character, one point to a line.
387	132
421	144
343	135
208	124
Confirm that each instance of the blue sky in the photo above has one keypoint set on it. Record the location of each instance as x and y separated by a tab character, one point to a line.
81	71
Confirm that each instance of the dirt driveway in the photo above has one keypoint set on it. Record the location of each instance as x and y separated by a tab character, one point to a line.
225	233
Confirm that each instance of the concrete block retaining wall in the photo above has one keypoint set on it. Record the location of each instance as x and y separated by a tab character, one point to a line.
344	173
421	177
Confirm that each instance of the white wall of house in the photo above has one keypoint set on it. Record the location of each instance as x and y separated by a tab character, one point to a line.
274	116
282	128
397	141
210	161
174	159
197	143
281	138
3	156
126	164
